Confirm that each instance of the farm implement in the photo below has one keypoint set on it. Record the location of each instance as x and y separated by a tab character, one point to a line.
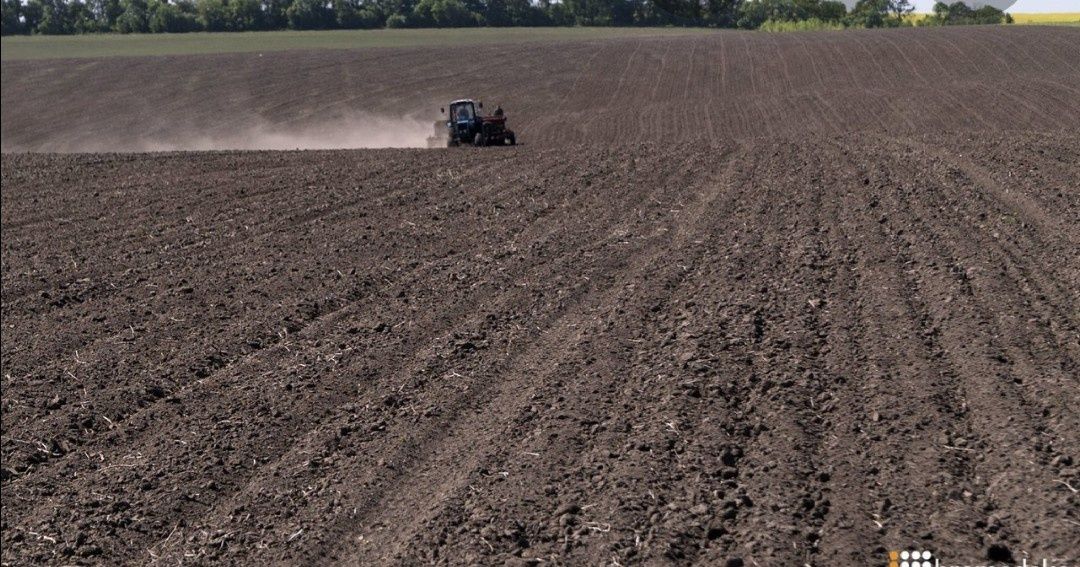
466	124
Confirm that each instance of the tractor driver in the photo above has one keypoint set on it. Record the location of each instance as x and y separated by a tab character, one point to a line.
498	110
463	113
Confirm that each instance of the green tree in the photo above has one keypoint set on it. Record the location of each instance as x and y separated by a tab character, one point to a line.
524	13
370	17
756	12
134	17
443	14
105	13
870	14
495	13
309	15
622	12
900	9
244	15
678	12
213	15
346	13
397	21
559	14
55	18
165	17
590	12
31	14
721	13
831	11
83	20
11	11
274	17
958	13
355	14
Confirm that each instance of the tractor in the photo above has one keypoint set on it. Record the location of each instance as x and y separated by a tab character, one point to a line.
466	125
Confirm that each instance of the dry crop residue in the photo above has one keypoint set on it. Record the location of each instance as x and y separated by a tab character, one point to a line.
698	345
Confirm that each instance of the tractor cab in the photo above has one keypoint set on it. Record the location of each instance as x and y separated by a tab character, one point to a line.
464	111
466	125
464	119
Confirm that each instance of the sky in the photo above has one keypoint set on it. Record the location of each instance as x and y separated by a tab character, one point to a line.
1022	6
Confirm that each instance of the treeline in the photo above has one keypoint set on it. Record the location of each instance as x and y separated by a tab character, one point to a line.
959	14
178	16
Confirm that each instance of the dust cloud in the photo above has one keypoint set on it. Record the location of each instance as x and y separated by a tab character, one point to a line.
347	132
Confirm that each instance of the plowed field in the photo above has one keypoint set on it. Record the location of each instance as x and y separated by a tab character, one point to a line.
739	299
703	88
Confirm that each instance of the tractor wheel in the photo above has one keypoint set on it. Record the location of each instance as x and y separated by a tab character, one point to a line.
480	139
511	139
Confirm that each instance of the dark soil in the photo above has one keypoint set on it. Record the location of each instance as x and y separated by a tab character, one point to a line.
772	350
701	88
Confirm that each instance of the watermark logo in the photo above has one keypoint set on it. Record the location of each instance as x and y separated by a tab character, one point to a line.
911	558
924	558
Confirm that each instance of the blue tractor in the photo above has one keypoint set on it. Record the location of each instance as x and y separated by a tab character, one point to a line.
466	125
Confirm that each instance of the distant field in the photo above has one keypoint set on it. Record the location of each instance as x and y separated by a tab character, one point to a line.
1045	19
111	45
56	47
1049	18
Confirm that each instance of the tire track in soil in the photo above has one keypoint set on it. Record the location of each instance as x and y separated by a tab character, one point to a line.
973	369
775	379
1015	264
88	352
1043	182
933	384
759	523
456	404
219	368
1015	259
539	355
1025	206
156	209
